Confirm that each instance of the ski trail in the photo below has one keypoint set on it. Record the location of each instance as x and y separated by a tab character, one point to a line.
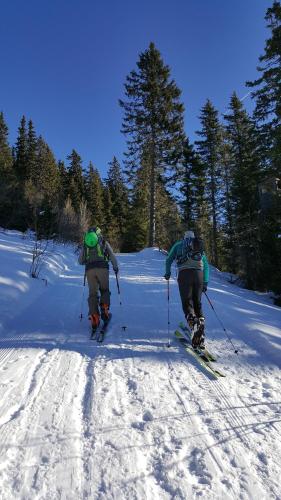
49	415
130	418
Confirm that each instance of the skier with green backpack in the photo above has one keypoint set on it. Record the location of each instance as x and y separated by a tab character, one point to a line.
193	277
95	255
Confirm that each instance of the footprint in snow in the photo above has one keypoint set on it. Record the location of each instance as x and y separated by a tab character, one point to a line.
147	417
263	458
132	385
197	467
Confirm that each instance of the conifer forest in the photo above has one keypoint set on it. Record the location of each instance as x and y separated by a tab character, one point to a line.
226	186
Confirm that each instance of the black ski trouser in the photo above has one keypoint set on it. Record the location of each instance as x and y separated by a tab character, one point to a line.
191	286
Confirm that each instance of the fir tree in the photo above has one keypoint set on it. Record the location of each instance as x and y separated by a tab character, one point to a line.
119	200
168	218
7	180
136	236
153	123
63	183
20	219
192	180
268	92
76	184
244	166
209	149
31	152
229	248
109	227
21	153
95	197
41	190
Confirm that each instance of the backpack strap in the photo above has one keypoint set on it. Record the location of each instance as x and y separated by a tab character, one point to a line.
192	248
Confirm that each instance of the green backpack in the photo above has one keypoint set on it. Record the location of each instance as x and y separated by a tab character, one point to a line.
94	245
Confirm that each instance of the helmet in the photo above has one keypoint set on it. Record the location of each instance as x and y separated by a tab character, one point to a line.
189	234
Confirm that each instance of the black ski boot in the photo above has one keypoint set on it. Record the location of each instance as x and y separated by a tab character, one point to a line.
191	321
198	339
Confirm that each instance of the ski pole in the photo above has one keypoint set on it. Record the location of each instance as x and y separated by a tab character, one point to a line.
168	294
119	293
222	325
82	301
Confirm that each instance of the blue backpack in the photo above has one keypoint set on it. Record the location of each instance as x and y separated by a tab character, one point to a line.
192	248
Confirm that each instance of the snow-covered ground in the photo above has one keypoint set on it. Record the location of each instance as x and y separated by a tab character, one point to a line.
132	419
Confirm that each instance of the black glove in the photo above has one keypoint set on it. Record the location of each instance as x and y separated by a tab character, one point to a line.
205	286
116	270
167	276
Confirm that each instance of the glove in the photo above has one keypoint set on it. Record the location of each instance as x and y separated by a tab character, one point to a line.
205	286
167	276
116	270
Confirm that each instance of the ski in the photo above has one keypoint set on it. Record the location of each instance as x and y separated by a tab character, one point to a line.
101	332
203	361
188	336
183	340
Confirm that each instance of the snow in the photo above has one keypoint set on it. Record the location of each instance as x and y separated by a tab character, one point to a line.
130	418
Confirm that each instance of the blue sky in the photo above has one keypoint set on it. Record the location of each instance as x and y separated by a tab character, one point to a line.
64	63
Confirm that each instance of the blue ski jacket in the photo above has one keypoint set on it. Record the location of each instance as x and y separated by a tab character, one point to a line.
201	265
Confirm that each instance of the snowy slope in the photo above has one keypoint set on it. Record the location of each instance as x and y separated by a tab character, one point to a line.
132	419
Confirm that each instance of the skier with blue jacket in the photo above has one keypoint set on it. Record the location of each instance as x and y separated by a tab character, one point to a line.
193	277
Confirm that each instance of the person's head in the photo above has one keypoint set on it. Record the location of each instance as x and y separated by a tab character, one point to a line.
188	234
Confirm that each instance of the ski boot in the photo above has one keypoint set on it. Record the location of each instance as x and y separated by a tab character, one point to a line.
95	321
191	321
198	339
105	313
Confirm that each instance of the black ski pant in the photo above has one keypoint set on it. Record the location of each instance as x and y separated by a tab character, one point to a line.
191	286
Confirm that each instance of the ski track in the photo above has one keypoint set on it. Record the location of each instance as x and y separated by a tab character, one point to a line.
131	419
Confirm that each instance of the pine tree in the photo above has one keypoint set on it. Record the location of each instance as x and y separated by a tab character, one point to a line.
63	183
136	236
21	211
42	190
95	197
209	149
7	181
168	218
153	123
21	153
245	172
268	93
229	245
76	186
31	152
110	230
192	180
119	200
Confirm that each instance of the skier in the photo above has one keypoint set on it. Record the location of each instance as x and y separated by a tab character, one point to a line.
95	254
193	276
